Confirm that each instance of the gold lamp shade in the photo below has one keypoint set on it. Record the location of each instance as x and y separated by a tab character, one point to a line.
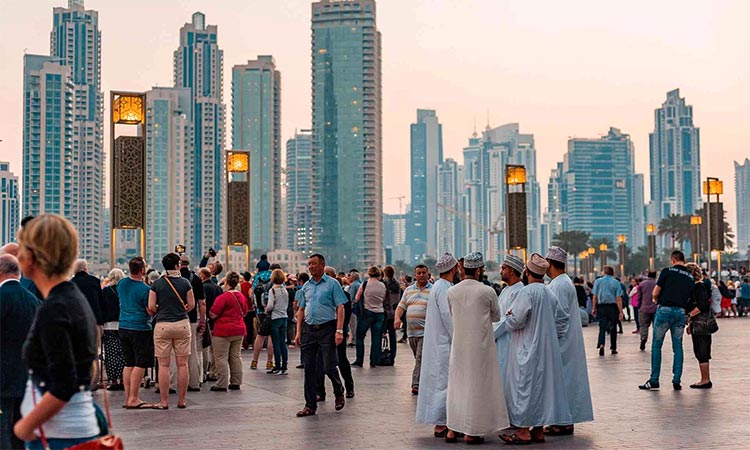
603	247
713	187
650	228
127	109
515	175
622	238
696	220
238	162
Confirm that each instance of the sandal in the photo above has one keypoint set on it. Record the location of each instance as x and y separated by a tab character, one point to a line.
474	440
141	405
441	434
558	430
513	439
182	405
160	406
254	365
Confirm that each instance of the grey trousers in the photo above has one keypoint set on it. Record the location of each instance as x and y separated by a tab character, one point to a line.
646	320
416	347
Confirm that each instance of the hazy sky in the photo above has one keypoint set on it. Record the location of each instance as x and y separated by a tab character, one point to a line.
560	69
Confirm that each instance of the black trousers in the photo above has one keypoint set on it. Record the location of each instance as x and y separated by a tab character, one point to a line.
608	315
345	369
319	339
11	408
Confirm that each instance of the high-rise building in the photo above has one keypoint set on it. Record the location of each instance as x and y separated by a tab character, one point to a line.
742	193
602	188
556	216
675	160
394	238
198	66
9	208
256	127
169	163
472	212
346	124
299	192
47	137
450	224
426	156
75	42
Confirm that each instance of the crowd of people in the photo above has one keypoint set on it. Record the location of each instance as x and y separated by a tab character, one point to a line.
512	364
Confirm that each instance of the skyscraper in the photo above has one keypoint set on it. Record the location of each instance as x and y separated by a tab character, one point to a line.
346	124
450	224
169	164
256	127
9	208
556	216
742	192
675	160
299	192
601	186
47	137
426	156
198	65
75	41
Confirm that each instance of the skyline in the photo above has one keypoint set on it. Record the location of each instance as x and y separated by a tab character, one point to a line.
695	54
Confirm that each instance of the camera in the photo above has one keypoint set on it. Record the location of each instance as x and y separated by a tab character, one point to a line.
179	249
212	252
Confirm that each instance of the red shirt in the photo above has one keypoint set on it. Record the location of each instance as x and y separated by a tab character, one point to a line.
229	320
247	290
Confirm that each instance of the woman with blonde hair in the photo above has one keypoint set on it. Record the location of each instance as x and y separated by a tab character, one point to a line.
61	346
370	298
700	321
278	301
114	358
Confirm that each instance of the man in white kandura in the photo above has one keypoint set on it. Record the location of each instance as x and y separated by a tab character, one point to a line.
436	350
575	372
510	271
476	404
537	392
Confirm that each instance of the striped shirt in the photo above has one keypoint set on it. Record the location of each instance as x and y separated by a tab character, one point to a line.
414	302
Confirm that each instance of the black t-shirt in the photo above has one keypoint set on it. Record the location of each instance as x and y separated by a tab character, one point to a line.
581	294
676	285
198	292
169	307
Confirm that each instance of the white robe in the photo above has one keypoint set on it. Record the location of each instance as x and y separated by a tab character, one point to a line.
575	371
502	336
537	391
436	352
476	404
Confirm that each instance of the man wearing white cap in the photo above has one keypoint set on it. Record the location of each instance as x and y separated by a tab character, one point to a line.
575	372
476	404
436	350
510	271
537	392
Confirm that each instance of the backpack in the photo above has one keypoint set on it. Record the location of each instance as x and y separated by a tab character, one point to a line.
261	290
392	298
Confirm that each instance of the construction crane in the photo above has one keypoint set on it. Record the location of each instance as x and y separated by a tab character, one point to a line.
493	232
400	202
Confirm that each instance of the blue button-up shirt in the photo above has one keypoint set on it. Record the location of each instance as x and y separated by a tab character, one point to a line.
320	300
607	289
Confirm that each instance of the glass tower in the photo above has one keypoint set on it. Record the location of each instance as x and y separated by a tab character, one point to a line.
742	192
9	211
299	192
75	42
198	63
256	127
346	128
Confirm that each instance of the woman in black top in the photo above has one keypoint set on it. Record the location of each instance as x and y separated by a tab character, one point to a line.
700	309
61	346
114	358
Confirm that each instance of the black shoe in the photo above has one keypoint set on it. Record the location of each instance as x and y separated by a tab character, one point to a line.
372	365
614	352
357	364
643	345
218	389
191	389
649	386
234	387
677	386
300	366
273	372
601	351
116	387
350	394
708	385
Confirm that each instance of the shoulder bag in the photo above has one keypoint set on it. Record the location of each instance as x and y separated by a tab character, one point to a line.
265	326
704	324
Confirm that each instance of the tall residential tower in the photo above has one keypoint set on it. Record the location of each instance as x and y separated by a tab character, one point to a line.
9	208
299	192
742	192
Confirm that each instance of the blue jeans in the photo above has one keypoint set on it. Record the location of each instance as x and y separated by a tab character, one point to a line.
672	319
278	337
57	444
374	322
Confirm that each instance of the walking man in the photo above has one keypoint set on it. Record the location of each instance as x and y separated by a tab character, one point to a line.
647	308
414	304
608	307
436	350
672	294
320	328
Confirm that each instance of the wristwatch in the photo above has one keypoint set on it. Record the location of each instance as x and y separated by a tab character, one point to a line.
340	331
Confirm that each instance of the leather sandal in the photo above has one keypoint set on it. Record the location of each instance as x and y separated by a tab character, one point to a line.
305	412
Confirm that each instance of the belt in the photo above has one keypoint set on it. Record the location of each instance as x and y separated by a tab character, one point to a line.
320	325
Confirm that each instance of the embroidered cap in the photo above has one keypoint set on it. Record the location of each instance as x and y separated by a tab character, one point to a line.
514	262
557	254
473	260
446	263
537	264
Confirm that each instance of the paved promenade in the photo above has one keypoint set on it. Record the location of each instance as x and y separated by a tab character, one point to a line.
381	416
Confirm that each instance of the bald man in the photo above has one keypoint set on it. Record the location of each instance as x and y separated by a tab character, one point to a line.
12	249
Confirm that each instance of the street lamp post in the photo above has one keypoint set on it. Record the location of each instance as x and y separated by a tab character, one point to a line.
591	251
238	200
651	229
622	239
715	220
603	248
696	222
515	196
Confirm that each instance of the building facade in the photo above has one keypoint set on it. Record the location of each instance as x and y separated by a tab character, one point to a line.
198	66
675	160
169	165
256	127
426	156
10	210
450	224
603	189
395	241
75	42
346	129
556	216
742	192
299	192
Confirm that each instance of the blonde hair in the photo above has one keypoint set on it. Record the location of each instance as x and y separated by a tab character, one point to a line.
695	271
114	276
277	276
52	242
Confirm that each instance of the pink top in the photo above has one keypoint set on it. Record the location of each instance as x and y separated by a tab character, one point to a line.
635	299
230	307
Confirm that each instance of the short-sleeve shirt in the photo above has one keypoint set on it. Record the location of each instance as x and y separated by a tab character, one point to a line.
133	303
414	302
744	290
320	300
676	285
170	308
607	289
229	307
374	295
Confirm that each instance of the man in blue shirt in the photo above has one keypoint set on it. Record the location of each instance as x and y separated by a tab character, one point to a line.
608	307
320	329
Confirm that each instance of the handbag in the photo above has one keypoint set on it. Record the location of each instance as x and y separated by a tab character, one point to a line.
704	324
106	441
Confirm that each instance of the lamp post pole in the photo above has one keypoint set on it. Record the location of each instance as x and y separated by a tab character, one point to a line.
603	248
622	239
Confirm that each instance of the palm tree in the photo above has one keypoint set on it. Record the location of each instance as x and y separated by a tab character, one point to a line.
573	242
677	227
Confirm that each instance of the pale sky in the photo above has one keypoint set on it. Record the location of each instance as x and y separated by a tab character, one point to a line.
560	69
